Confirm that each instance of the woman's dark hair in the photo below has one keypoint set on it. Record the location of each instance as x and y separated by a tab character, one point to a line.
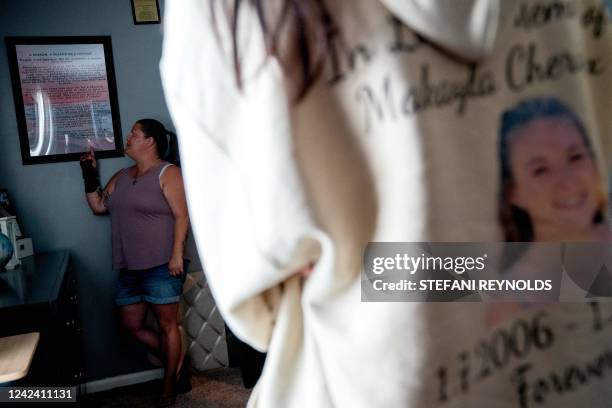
297	33
165	140
516	221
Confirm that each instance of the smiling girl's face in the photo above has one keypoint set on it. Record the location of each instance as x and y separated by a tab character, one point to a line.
555	179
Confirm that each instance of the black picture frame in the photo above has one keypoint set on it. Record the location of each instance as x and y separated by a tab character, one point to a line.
69	76
138	20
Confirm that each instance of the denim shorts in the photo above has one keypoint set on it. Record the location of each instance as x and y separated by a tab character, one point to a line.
154	285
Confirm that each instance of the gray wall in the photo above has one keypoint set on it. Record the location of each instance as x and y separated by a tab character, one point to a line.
49	198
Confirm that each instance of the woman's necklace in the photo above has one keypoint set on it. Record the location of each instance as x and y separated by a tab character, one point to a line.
136	176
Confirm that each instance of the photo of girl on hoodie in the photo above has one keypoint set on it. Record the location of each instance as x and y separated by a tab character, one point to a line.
552	189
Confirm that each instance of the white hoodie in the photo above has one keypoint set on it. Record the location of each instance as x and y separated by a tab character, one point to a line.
396	142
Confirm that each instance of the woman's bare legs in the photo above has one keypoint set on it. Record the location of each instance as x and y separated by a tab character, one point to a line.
132	320
167	317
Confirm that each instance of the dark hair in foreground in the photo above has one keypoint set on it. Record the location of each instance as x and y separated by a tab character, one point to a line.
515	221
297	33
165	140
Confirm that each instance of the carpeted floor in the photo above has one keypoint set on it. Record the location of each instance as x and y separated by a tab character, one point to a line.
220	388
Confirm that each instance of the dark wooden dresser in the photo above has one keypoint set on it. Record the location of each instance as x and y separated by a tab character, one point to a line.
41	295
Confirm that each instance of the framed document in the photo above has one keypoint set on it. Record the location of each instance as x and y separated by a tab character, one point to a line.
65	97
145	11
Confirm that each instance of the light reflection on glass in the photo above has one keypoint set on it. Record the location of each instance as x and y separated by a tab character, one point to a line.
44	122
40	118
50	132
93	120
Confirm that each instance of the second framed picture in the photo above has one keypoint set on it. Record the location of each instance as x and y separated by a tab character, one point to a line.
145	11
65	97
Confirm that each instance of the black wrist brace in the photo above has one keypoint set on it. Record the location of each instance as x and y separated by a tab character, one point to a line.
90	176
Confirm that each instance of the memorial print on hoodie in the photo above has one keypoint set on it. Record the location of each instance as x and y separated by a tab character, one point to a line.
399	140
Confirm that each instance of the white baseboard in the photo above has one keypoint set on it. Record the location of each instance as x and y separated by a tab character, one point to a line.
122	381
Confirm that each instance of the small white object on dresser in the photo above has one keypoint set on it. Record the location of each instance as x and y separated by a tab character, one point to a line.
24	247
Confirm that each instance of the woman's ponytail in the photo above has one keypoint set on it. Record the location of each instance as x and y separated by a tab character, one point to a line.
172	152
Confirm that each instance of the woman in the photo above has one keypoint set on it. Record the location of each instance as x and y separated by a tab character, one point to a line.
149	221
551	186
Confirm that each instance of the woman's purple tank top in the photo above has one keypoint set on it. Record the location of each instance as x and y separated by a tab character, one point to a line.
141	220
